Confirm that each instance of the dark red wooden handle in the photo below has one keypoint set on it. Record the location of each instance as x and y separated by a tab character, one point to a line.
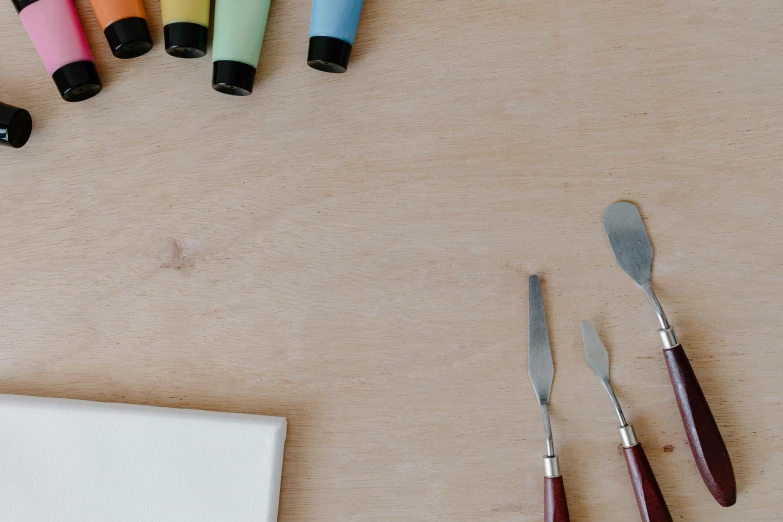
652	506
712	457
555	505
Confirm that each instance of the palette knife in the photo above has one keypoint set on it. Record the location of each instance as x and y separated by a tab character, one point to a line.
634	254
542	373
652	506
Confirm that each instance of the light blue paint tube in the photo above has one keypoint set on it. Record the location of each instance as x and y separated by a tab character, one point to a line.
333	26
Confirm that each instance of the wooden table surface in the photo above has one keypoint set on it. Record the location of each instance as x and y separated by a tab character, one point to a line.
352	251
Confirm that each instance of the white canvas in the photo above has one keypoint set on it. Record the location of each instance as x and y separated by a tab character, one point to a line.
77	461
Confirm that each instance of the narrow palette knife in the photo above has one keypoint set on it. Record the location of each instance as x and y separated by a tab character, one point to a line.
652	506
634	254
542	373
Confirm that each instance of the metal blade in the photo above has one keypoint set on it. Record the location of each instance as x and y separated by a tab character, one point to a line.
598	359
629	240
634	253
595	351
539	352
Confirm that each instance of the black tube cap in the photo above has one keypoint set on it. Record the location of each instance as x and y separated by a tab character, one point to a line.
329	54
235	78
15	126
77	81
129	37
21	4
185	40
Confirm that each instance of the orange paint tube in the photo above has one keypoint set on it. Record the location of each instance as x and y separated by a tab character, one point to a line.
124	23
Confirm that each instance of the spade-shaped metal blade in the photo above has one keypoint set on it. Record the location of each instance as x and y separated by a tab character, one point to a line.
630	242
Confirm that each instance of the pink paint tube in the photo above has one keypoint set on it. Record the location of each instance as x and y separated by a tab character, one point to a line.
57	34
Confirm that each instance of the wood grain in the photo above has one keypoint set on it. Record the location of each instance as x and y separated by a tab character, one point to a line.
652	505
351	251
555	501
709	451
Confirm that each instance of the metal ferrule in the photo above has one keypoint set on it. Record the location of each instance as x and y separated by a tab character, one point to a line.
551	467
668	338
628	436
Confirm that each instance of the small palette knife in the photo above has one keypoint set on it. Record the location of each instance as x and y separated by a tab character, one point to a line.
542	373
634	254
652	506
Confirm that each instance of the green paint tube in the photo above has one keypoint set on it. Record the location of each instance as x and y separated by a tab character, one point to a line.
236	47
